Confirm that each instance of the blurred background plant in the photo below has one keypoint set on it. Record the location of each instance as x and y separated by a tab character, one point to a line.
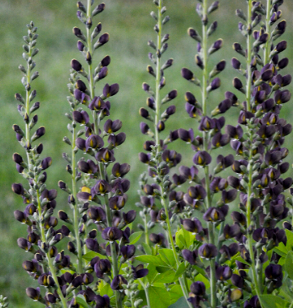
128	22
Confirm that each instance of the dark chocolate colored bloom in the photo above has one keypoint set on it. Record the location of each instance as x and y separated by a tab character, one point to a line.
190	256
92	244
101	267
34	294
102	301
202	158
139	271
117	282
111	234
192	225
208	251
127	251
157	239
17	188
198	288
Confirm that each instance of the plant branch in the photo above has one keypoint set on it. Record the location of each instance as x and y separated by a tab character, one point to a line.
268	43
249	54
205	145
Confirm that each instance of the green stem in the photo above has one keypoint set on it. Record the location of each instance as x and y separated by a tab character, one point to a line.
248	218
268	44
50	263
158	76
146	291
219	240
113	252
27	105
28	140
205	146
182	280
90	66
146	231
75	212
249	55
259	272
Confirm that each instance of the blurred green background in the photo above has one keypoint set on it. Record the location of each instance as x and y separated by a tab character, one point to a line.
130	27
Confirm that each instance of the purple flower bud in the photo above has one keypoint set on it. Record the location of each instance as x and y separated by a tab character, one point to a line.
117	282
202	158
208	251
190	256
111	234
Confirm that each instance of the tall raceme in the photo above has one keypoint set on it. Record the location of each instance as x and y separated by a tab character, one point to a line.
159	199
202	252
98	203
42	235
258	141
204	197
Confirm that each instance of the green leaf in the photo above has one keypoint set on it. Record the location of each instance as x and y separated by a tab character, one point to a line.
281	249
80	299
180	270
147	248
105	289
151	274
199	269
184	239
159	297
181	303
272	301
134	237
63	271
154	260
166	277
90	255
285	291
289	264
167	256
289	235
175	294
238	258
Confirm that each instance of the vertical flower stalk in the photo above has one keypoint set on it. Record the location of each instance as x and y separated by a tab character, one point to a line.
262	141
102	195
211	135
40	202
273	14
160	159
77	246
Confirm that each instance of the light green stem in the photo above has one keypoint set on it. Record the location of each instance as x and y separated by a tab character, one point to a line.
268	43
249	190
113	252
27	105
249	55
90	65
28	140
75	212
49	259
182	280
146	291
248	218
146	231
158	75
157	119
205	146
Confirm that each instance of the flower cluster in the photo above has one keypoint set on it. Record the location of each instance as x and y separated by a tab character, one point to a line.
100	199
42	232
219	255
259	164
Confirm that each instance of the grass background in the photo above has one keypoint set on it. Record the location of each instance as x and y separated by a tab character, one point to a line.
130	27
